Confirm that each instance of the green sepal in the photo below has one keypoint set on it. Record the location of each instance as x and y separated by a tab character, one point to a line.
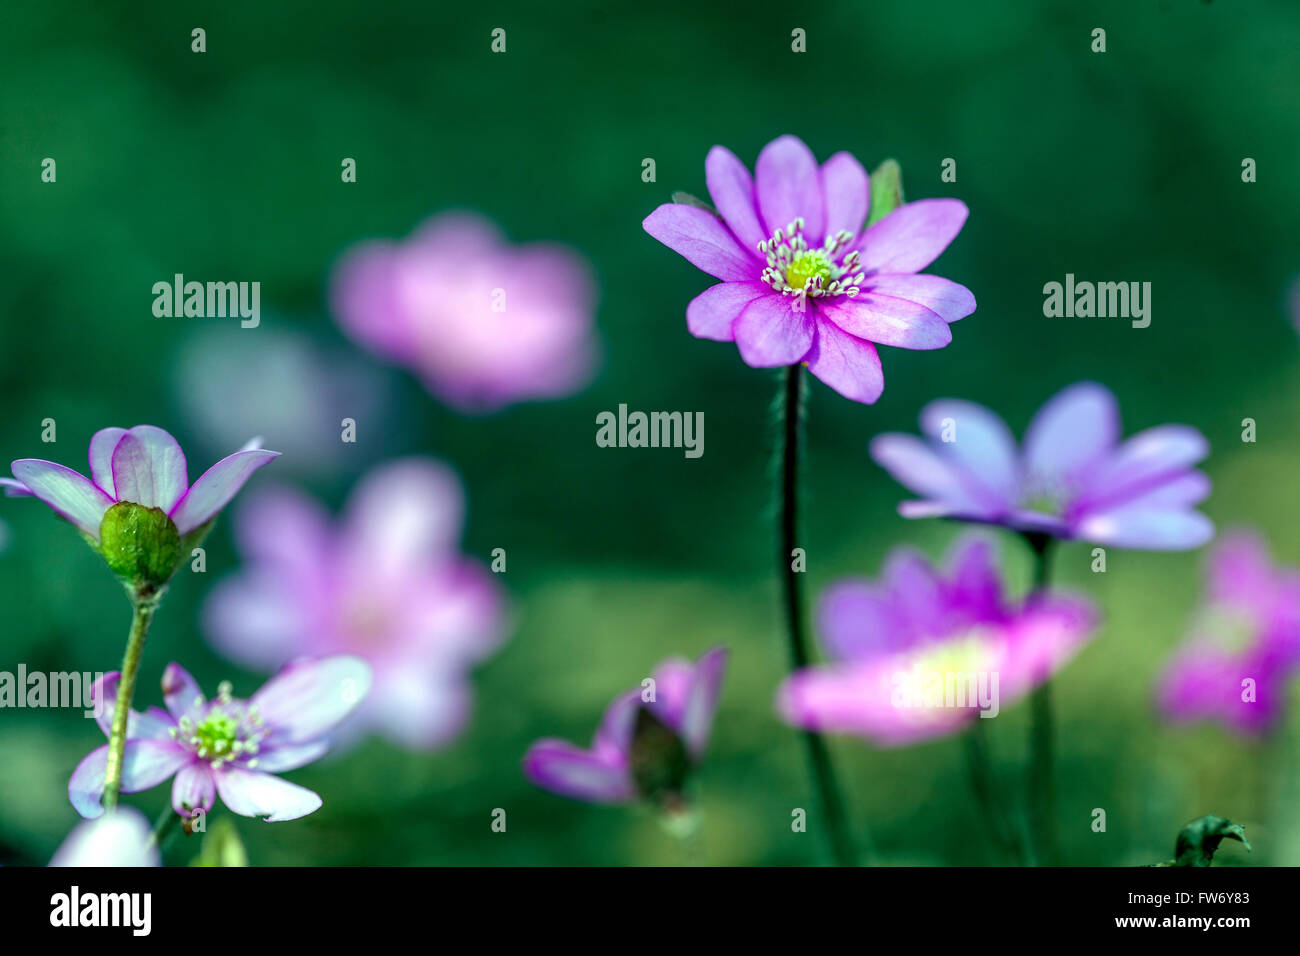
658	760
686	199
141	545
221	846
886	190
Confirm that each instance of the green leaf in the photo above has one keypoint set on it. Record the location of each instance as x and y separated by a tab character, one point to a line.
686	199
886	190
1199	840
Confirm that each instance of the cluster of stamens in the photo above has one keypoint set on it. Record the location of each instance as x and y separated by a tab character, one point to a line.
230	730
794	269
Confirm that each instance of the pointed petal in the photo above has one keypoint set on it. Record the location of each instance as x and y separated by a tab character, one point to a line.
915	465
846	363
193	788
149	468
309	698
982	446
104	695
732	190
887	321
789	188
771	332
253	794
712	314
912	236
216	487
181	692
102	445
15	488
562	768
1145	529
702	700
70	494
944	297
145	764
848	194
1148	458
1071	432
704	241
278	759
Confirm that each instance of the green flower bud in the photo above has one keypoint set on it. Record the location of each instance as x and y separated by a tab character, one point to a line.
140	544
659	761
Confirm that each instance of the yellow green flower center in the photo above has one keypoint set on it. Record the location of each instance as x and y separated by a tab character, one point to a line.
808	265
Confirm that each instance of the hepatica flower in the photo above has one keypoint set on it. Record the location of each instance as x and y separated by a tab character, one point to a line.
802	279
1073	478
1242	655
921	654
138	508
386	582
227	746
482	322
643	749
120	838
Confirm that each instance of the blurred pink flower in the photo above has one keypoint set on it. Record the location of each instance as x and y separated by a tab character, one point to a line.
386	583
483	323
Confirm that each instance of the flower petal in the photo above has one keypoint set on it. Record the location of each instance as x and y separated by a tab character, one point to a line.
562	768
309	698
982	446
145	764
120	838
70	494
1147	529
1071	432
193	788
253	794
102	445
848	194
104	695
944	297
216	487
702	700
15	488
888	321
732	190
789	188
149	468
846	363
703	240
856	622
404	514
712	314
917	466
181	692
912	236
1144	461
278	759
771	331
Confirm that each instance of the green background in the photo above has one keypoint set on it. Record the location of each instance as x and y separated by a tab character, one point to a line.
225	165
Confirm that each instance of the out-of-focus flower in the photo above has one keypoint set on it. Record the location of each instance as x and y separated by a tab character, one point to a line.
644	748
120	838
483	323
280	384
802	281
386	583
138	508
920	654
227	746
1072	479
1243	650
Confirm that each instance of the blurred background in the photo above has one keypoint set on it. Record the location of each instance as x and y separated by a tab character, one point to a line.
226	166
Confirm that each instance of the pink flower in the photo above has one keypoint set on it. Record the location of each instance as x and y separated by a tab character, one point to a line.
802	280
483	323
385	583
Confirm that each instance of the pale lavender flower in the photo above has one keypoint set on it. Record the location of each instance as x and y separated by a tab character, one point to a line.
120	838
227	746
1073	478
386	582
483	323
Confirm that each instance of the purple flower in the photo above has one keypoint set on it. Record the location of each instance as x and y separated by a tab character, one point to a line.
143	465
920	654
226	746
483	323
1243	650
386	583
120	838
638	755
1072	479
802	281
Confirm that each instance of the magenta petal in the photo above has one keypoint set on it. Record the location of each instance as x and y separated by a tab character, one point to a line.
912	236
846	363
887	321
193	788
732	190
70	494
253	794
790	188
944	297
848	194
181	692
857	622
149	468
404	514
614	735
771	331
562	768
102	445
216	487
702	700
712	314
309	698
145	764
701	238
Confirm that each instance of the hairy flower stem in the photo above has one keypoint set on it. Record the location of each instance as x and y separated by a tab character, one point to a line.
790	412
1042	745
145	603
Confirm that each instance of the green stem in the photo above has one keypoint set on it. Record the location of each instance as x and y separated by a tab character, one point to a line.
144	608
986	790
790	410
163	828
1042	733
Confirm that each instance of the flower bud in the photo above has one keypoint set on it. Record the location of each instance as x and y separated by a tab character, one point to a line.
141	545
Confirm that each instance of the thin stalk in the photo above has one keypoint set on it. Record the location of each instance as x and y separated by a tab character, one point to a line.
1042	731
984	785
140	620
790	411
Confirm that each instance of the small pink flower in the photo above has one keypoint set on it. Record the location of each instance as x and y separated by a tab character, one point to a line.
483	323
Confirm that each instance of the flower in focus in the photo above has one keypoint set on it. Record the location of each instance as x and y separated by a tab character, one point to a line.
483	323
226	746
1243	650
120	838
802	280
1072	479
921	654
138	508
644	748
385	583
